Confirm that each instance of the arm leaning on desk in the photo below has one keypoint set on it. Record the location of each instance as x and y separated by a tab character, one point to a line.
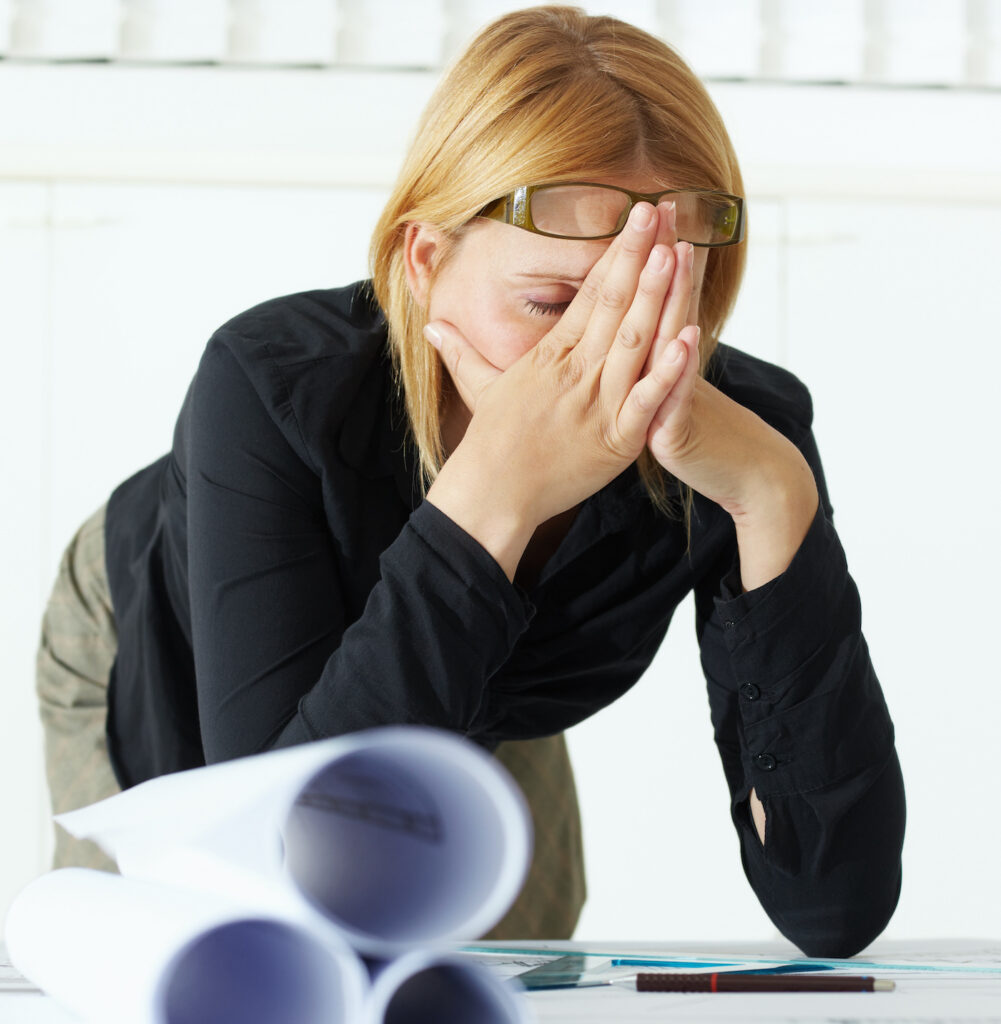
799	717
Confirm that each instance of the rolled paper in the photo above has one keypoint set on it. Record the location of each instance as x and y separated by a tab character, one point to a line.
399	836
443	988
122	951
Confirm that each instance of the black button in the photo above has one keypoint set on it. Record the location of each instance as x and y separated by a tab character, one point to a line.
750	692
765	762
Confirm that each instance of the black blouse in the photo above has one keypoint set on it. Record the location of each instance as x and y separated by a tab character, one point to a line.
276	578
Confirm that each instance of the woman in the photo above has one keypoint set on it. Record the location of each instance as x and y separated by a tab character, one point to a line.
471	495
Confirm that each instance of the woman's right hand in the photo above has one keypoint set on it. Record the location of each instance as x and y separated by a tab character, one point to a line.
574	411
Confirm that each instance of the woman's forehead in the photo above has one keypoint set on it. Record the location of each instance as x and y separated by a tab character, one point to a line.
530	256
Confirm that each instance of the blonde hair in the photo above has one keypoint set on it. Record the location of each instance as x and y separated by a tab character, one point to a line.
546	94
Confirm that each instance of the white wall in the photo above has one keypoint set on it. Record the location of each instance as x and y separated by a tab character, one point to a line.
142	205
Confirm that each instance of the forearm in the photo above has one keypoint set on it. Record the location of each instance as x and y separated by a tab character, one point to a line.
807	743
775	514
479	499
436	626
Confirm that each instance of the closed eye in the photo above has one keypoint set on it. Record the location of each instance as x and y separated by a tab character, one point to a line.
546	308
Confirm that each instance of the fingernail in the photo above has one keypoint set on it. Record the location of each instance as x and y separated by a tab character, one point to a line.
432	335
642	215
657	259
691	255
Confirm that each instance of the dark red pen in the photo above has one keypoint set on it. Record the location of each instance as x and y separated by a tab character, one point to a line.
760	983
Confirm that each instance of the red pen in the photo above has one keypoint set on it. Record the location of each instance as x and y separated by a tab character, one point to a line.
760	983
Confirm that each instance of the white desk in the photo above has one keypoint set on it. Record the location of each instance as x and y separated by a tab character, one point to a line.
968	996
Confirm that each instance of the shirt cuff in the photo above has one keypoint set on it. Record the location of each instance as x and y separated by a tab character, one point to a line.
476	570
810	708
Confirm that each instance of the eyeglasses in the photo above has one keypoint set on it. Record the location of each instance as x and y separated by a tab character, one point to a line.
586	210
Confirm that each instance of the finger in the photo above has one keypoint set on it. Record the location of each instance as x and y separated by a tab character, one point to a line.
679	298
470	372
618	288
631	348
571	326
676	404
667	232
649	394
675	312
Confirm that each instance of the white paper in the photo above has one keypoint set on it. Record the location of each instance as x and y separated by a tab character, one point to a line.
119	951
11	979
400	837
248	889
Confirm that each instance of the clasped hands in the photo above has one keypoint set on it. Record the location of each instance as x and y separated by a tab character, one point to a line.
617	372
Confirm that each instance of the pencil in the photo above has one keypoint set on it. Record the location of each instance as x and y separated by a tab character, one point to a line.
760	983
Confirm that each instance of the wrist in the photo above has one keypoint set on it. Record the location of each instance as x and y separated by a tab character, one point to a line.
476	499
773	516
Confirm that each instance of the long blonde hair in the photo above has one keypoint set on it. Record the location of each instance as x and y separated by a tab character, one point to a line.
546	94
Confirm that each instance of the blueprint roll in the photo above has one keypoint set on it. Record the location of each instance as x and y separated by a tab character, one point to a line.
444	988
408	837
399	836
118	951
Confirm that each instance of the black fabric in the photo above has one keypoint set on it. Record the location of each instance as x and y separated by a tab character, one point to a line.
277	579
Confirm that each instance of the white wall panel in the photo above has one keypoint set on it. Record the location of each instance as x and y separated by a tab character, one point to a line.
283	31
24	342
984	63
721	38
63	29
142	276
389	34
198	124
920	41
893	311
174	30
814	40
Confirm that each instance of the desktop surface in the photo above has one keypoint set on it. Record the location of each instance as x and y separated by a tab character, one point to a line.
953	980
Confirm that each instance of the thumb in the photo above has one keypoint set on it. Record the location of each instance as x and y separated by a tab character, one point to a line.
470	372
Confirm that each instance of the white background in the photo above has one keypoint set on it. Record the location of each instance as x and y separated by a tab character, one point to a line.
144	201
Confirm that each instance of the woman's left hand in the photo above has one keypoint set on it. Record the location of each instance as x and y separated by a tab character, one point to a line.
728	454
731	456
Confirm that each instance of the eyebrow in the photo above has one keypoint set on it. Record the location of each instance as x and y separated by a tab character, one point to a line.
566	278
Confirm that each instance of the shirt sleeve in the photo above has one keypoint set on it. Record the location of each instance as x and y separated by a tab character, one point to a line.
799	716
279	657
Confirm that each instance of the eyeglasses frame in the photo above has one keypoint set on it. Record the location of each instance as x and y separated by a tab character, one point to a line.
515	208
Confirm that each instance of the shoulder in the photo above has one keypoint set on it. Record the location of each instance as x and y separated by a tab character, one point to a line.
312	359
312	348
776	395
339	325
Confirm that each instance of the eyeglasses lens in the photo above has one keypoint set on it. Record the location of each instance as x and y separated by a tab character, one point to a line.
579	211
714	219
583	211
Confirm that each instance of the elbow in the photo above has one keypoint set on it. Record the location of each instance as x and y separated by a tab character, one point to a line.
840	928
839	900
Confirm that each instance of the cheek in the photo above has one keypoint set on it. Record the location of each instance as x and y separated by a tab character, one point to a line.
489	321
506	344
502	341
